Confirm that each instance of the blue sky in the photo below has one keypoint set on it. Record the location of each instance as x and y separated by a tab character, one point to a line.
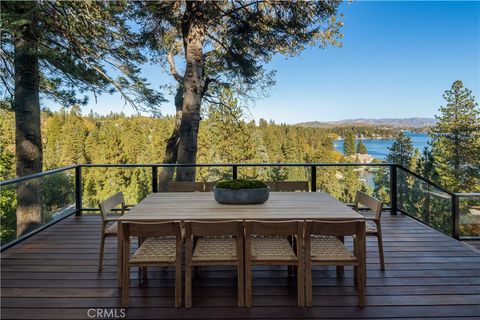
397	60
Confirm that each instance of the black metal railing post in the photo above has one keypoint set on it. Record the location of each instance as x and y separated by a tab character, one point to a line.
393	189
154	179
78	190
234	172
455	216
313	180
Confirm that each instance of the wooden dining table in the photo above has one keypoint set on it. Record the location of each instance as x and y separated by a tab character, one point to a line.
281	206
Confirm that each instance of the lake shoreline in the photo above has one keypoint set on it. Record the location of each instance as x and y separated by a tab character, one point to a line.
379	148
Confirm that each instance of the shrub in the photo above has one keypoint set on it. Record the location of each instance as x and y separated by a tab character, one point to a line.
238	184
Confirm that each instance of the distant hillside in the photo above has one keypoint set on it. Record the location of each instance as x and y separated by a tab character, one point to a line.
387	122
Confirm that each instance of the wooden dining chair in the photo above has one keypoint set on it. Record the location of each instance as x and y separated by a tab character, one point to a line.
374	214
324	248
109	226
209	186
186	186
269	184
161	245
266	243
290	186
214	243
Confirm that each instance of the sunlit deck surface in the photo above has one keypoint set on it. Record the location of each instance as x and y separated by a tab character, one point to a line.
53	275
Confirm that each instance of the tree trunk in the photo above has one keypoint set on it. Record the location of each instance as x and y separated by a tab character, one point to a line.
172	144
193	27
28	142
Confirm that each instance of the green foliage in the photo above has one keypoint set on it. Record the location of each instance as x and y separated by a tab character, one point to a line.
361	147
349	144
238	184
401	151
225	137
456	140
237	38
81	46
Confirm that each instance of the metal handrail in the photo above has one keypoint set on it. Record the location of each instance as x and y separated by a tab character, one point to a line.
234	166
37	175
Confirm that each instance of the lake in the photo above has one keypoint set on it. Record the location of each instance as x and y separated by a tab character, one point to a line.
379	148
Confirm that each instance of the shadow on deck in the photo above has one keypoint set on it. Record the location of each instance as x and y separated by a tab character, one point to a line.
53	275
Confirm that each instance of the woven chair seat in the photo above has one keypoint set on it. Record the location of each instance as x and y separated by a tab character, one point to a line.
112	229
328	248
156	250
215	249
272	249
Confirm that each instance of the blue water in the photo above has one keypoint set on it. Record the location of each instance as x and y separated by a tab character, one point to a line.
380	148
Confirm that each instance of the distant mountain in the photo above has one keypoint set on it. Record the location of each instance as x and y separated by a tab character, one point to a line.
384	122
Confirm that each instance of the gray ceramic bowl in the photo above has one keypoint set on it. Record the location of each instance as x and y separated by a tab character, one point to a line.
242	196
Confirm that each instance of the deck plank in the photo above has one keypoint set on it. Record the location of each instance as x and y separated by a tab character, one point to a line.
53	275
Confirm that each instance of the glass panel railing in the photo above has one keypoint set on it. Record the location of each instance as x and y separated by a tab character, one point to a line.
343	182
272	174
469	215
424	202
28	205
99	183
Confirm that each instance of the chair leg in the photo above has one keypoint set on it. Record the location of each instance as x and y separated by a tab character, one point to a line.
380	248
188	285
144	272
178	284
241	285
340	271
355	277
308	284
300	286
361	286
100	256
125	286
248	284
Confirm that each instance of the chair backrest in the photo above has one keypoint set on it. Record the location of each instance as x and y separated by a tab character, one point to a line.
370	202
152	229
274	228
110	203
209	186
290	186
269	184
185	187
214	228
335	228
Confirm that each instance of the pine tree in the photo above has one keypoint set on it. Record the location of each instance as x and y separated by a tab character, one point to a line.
361	147
349	144
224	44
456	140
401	152
57	49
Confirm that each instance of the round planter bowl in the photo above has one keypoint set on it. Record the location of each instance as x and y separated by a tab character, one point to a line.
242	196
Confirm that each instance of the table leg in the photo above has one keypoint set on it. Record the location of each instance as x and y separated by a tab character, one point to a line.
120	254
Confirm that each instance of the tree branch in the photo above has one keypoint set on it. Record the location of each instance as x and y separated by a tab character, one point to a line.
173	69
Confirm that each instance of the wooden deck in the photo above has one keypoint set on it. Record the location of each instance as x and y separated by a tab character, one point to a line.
53	275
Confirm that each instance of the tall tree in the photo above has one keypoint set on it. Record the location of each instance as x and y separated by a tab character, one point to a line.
401	152
55	50
456	140
224	44
349	144
361	147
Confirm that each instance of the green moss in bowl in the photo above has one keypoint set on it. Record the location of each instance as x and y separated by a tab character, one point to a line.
238	184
